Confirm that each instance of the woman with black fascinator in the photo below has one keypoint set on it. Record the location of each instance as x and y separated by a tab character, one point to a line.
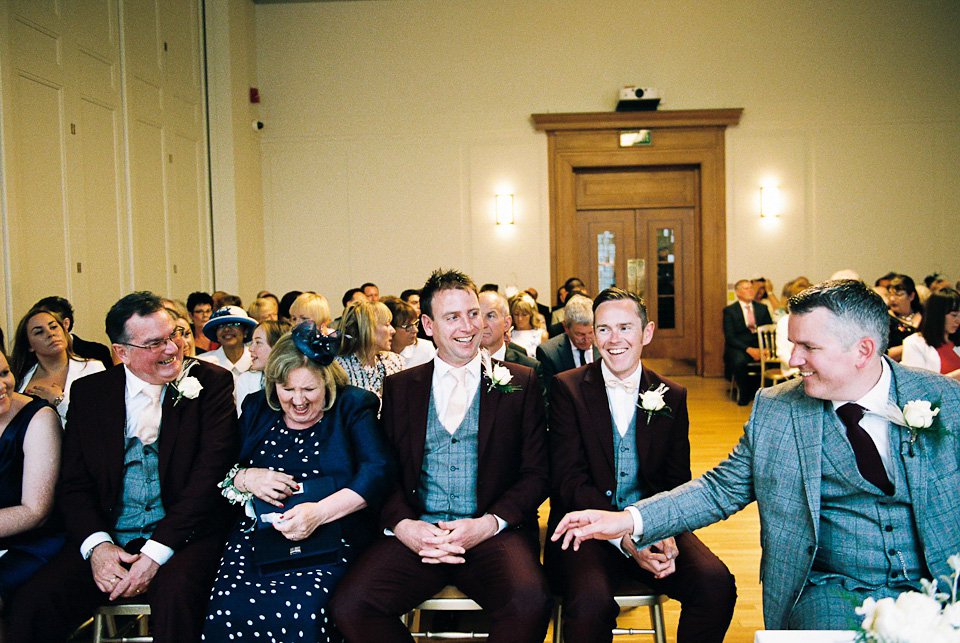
313	470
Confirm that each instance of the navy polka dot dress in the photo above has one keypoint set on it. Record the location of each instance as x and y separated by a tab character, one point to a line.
281	608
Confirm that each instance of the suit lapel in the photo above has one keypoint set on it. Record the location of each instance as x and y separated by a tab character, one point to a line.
808	434
418	405
595	400
903	390
645	432
566	354
169	427
109	445
489	403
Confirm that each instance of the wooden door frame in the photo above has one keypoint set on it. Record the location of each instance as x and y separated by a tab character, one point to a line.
693	138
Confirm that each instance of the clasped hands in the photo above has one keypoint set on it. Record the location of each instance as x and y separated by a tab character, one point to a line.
658	558
120	574
445	542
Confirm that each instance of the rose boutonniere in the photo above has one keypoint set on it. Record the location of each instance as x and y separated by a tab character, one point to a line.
498	374
920	417
652	402
186	386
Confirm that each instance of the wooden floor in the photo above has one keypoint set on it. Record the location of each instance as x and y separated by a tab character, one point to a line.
716	424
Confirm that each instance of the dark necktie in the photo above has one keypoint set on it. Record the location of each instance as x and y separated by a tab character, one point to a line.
583	358
864	449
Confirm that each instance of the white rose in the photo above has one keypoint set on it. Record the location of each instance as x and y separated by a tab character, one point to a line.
910	618
652	401
190	387
501	374
919	414
951	614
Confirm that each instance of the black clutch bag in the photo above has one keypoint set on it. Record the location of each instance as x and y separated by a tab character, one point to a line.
275	554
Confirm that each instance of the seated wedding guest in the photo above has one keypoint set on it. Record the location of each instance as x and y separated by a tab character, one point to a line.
265	335
143	451
81	347
541	308
412	297
366	335
307	433
784	345
218	299
527	329
43	361
572	348
189	344
935	346
263	309
285	302
741	344
310	306
936	282
371	291
29	466
763	294
405	322
607	451
231	327
906	313
230	300
200	306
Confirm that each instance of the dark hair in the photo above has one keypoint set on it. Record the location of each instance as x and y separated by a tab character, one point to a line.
905	283
402	312
274	329
231	300
886	277
58	305
369	283
197	298
441	279
573	282
858	309
142	303
934	322
23	358
408	293
3	347
347	296
283	310
617	294
490	287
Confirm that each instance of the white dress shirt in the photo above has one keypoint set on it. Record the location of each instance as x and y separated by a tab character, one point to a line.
219	357
442	386
623	403
134	400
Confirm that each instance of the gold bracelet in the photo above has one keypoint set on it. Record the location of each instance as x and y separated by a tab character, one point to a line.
244	490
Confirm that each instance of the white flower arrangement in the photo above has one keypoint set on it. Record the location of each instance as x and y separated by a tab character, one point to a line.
919	417
653	403
186	386
229	490
498	374
914	617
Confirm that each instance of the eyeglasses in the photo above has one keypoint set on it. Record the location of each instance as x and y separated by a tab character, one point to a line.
412	326
157	345
230	324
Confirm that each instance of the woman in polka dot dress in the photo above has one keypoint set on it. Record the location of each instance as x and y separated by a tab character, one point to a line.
306	423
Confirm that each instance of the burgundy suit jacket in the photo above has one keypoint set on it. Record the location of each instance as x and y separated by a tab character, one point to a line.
512	468
198	444
581	441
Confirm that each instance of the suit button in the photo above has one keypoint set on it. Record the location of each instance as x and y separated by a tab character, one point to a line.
892	552
888	528
609	493
453	468
894	574
623	474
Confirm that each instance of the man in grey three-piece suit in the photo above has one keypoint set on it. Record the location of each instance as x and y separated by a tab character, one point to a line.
828	534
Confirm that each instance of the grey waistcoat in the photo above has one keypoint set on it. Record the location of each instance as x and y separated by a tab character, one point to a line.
140	507
626	463
448	480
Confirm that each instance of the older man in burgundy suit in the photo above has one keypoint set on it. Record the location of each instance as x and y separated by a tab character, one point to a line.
473	461
143	452
619	433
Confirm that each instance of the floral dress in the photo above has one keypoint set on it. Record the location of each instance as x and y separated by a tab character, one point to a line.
371	377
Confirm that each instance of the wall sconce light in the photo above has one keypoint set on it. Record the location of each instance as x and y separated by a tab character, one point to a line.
504	209
770	202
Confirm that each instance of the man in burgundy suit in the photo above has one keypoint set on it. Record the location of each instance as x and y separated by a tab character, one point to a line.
473	468
143	452
619	433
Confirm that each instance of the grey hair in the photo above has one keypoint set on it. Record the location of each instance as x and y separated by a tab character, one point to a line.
858	310
579	310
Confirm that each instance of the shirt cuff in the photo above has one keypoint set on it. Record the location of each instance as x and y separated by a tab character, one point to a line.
158	552
637	521
501	524
91	541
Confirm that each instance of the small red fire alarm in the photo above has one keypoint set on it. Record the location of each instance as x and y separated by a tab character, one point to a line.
254	95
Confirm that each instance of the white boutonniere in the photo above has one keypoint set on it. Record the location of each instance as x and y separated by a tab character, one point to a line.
186	386
498	374
652	402
919	417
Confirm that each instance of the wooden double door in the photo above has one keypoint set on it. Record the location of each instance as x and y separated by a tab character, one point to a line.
649	247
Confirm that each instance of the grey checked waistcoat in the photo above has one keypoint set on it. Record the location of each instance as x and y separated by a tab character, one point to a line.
626	463
867	539
140	507
448	480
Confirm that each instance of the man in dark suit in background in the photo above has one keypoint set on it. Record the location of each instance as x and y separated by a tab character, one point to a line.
741	345
473	469
574	347
619	433
81	347
495	312
143	451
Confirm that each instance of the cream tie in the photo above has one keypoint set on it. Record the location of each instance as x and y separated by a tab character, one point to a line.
457	405
148	425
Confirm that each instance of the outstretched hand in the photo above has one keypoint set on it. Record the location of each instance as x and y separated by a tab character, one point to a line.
578	526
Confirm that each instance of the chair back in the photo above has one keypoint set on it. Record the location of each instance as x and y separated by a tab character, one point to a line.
769	361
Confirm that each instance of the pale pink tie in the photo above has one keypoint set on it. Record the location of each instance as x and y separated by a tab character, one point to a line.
457	405
751	319
148	425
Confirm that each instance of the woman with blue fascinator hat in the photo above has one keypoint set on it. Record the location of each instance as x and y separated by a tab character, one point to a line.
231	326
313	470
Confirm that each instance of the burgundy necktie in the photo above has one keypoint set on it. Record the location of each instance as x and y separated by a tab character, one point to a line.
864	449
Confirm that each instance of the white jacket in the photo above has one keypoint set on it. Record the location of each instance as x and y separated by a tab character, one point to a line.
917	352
